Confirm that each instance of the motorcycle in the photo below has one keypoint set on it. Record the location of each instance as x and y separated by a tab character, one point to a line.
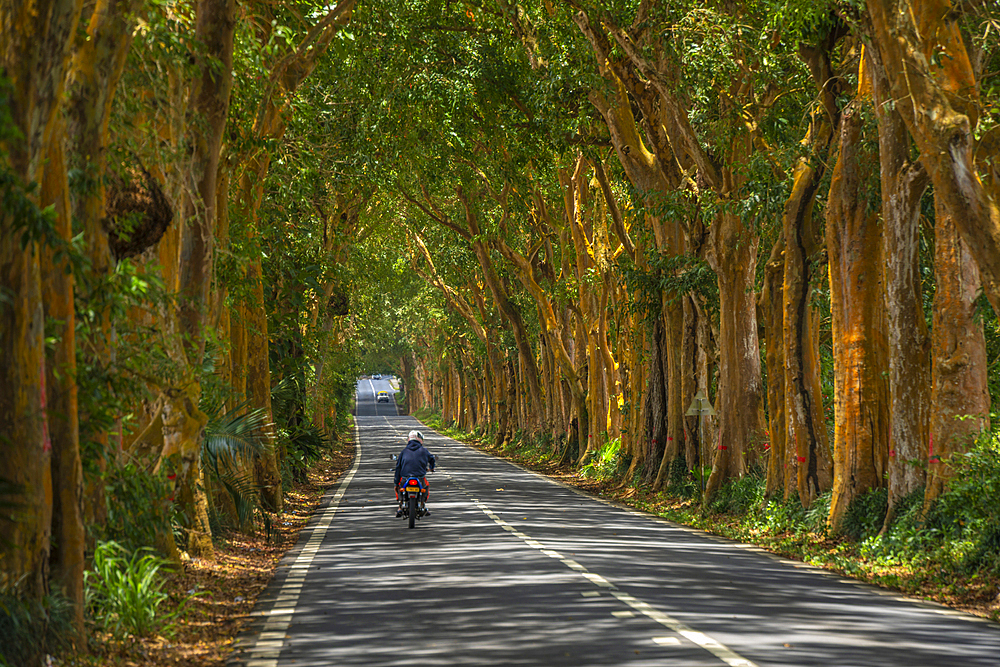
412	495
414	499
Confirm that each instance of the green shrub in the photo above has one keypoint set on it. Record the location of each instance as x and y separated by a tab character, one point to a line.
304	445
681	483
139	506
968	511
866	514
604	462
124	592
232	441
815	517
783	516
30	629
739	496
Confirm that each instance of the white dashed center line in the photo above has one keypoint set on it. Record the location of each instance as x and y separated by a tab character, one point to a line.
719	650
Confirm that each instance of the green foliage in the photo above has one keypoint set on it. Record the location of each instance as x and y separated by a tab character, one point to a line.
991	330
866	513
303	441
124	591
111	385
20	213
605	462
140	507
231	442
306	444
676	276
31	629
739	496
681	482
780	516
969	510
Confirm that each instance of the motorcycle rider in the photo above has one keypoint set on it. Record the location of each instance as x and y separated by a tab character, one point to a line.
414	461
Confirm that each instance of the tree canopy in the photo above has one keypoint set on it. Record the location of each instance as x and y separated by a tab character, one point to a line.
554	221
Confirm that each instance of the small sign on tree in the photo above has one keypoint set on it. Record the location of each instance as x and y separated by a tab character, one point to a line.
700	405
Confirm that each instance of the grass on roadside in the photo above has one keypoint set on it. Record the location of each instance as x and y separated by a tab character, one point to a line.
190	615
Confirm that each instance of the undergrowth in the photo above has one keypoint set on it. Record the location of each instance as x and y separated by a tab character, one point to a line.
31	629
124	592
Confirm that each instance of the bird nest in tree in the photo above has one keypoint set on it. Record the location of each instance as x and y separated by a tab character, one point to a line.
137	211
339	304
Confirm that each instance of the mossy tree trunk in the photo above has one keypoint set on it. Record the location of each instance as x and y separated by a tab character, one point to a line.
903	183
69	538
927	65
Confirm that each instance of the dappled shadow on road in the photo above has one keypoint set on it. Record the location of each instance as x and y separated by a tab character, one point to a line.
769	611
457	590
461	590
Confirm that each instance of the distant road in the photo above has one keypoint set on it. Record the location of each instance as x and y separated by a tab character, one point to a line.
514	569
365	399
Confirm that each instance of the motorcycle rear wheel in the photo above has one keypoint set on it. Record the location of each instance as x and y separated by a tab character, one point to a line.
412	507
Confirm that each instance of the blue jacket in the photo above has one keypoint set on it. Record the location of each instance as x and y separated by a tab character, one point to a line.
414	461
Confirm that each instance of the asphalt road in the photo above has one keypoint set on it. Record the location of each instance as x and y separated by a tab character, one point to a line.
366	392
513	569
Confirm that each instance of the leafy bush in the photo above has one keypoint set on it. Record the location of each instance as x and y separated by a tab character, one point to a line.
139	507
779	516
866	514
231	442
739	496
124	592
680	482
783	516
603	463
968	511
815	518
30	629
305	444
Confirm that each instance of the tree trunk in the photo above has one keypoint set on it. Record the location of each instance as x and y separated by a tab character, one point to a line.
215	27
803	400
903	184
739	406
513	317
183	424
673	340
655	406
928	66
34	56
861	398
23	431
960	400
779	481
672	242
258	379
68	534
98	63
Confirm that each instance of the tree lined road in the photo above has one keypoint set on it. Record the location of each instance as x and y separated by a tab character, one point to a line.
365	402
514	569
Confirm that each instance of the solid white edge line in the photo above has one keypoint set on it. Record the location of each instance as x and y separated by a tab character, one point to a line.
268	640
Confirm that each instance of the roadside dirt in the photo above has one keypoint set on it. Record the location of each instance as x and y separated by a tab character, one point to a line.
211	601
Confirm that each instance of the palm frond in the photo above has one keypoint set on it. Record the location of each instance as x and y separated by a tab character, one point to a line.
236	436
231	442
